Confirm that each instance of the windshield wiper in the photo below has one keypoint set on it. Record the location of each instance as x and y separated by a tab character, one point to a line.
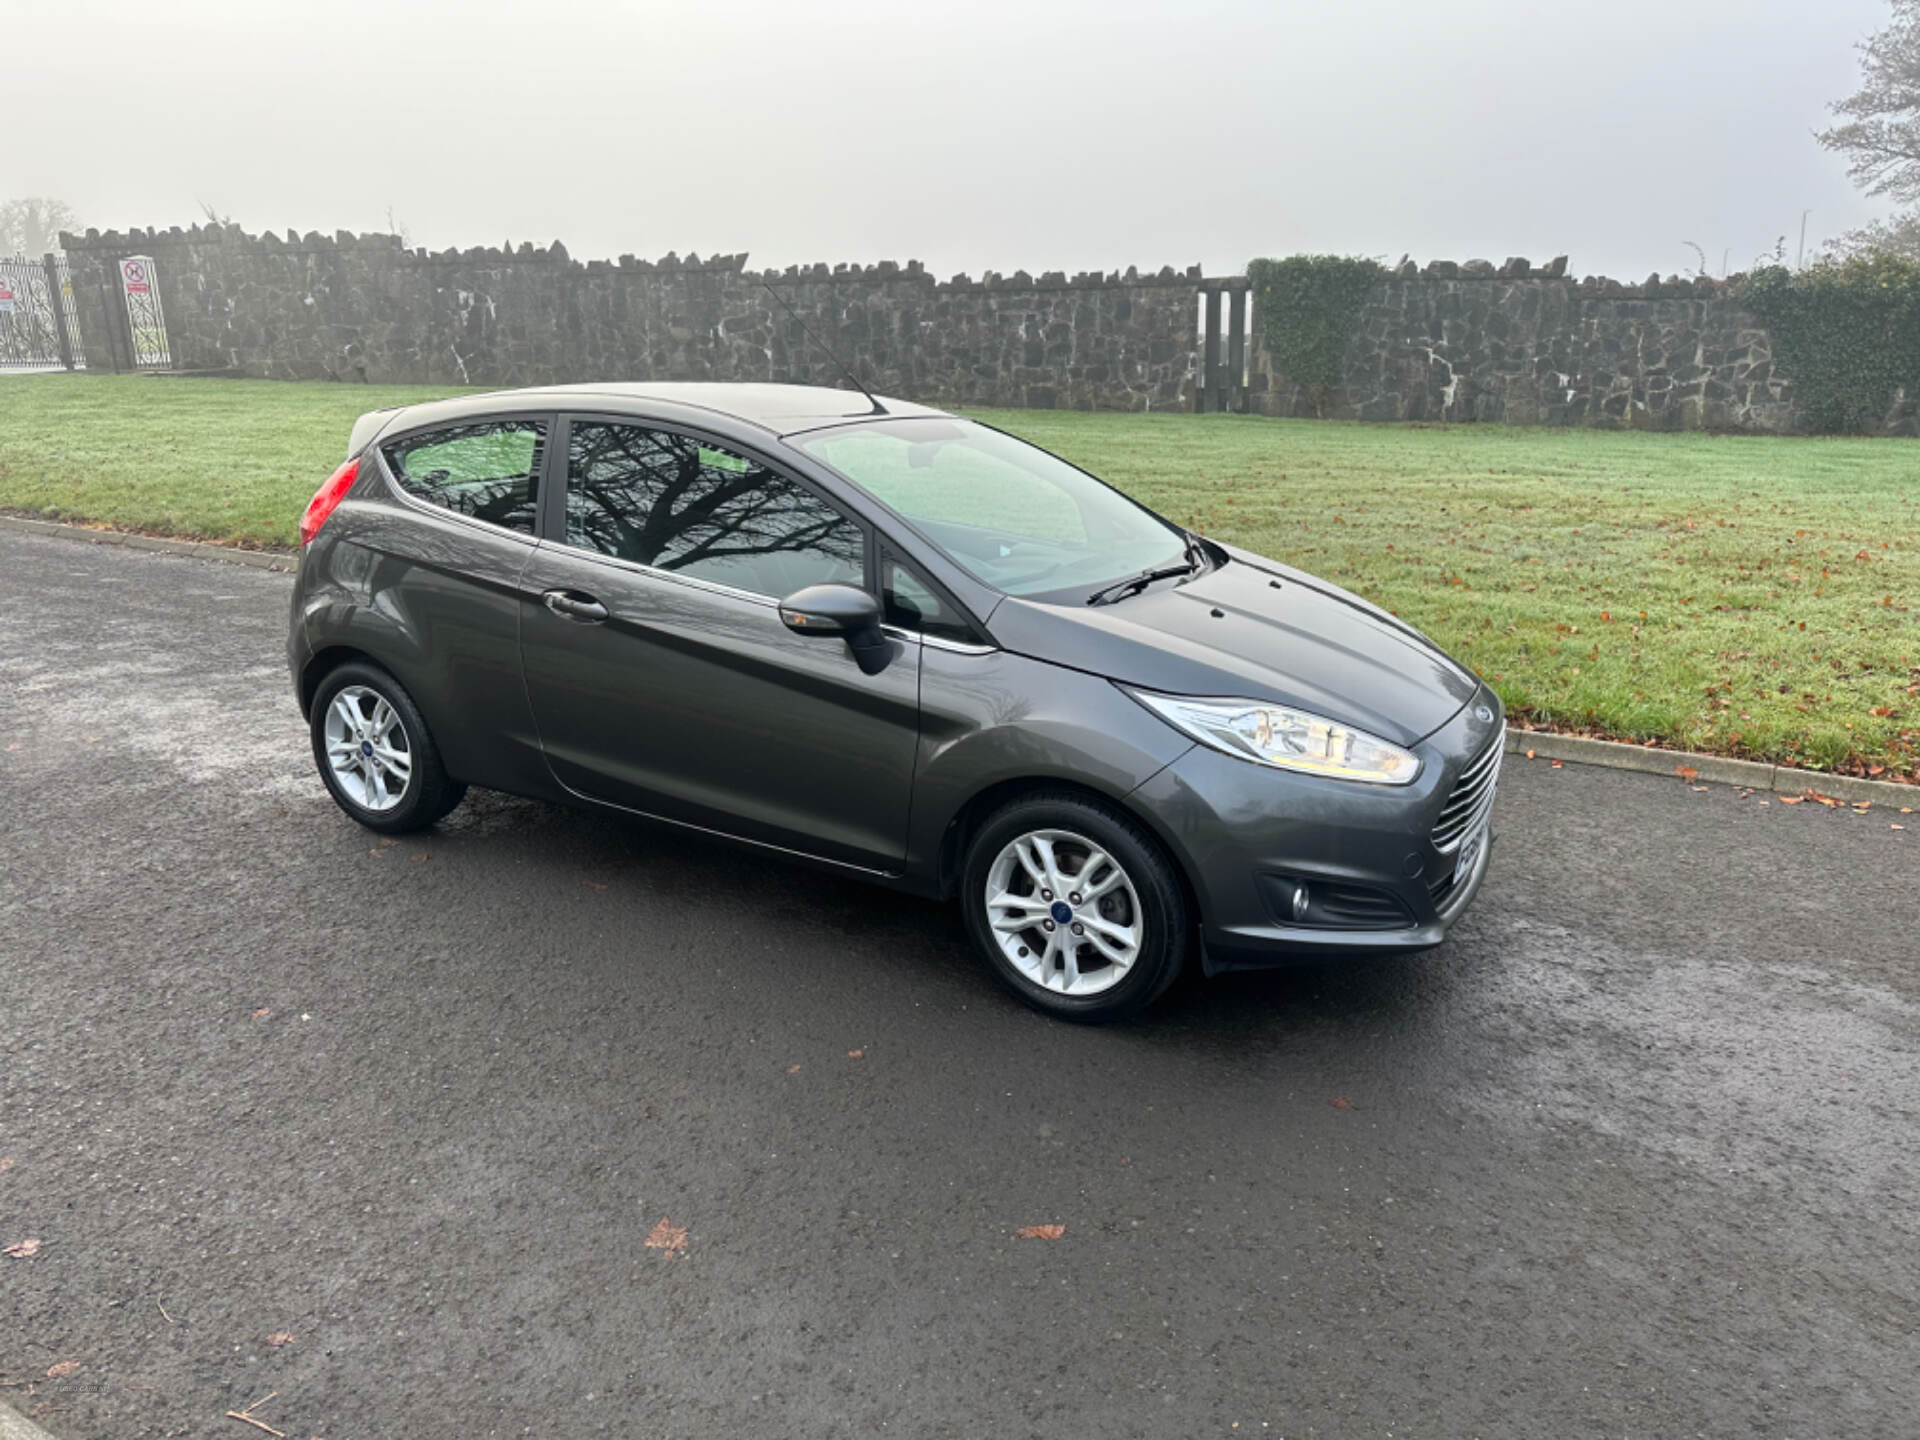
1134	584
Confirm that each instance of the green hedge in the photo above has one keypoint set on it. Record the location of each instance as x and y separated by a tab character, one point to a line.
1846	333
1308	307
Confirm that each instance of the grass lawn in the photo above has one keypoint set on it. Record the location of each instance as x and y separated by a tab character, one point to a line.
1745	596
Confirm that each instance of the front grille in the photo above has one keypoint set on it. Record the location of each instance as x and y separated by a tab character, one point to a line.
1472	798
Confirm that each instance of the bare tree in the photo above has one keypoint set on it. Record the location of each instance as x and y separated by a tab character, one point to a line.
32	225
1897	236
1880	135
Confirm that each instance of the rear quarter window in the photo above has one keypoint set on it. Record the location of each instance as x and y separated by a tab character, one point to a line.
487	472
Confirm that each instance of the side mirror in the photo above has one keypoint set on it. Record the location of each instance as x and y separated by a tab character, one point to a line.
845	611
830	610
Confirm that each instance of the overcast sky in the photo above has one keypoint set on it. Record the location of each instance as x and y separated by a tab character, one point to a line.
1048	134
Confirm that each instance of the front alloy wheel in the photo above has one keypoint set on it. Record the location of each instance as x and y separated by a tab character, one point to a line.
1075	906
1064	913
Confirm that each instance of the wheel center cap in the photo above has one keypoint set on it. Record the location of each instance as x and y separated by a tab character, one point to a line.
366	747
1061	912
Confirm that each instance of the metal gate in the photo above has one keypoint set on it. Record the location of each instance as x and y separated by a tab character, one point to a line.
38	329
145	324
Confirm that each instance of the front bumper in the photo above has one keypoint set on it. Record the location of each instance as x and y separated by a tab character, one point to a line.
1250	837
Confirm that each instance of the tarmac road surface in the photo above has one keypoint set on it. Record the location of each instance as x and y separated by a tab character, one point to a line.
1634	1154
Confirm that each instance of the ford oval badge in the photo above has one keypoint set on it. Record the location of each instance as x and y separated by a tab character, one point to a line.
1482	714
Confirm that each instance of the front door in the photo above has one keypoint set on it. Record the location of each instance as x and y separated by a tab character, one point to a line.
661	677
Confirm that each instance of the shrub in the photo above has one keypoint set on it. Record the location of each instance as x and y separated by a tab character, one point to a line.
1847	333
1308	307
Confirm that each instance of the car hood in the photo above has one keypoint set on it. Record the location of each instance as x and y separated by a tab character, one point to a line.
1254	629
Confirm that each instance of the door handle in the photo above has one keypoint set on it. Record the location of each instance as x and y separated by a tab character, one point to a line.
575	606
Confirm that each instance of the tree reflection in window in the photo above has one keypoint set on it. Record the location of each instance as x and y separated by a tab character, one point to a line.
670	502
490	472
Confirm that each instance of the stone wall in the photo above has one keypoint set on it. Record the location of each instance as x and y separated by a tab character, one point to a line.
1528	346
365	308
1452	342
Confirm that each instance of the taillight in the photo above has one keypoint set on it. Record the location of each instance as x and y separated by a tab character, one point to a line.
325	498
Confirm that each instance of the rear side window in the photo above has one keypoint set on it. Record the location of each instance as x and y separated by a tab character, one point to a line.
489	472
675	503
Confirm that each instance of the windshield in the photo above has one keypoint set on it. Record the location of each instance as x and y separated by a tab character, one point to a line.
1006	512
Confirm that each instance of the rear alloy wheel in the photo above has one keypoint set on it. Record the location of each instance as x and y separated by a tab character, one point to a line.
375	754
367	748
1075	907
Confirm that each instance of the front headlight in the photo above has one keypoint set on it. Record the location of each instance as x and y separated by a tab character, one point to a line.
1290	739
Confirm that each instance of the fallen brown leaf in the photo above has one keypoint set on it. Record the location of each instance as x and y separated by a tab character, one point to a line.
669	1237
793	1069
1529	754
6	1163
1558	766
62	1370
1040	1232
279	1338
23	1249
1340	1102
1791	799
856	1054
262	1013
1687	773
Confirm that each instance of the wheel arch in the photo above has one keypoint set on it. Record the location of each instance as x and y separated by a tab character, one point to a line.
322	664
983	803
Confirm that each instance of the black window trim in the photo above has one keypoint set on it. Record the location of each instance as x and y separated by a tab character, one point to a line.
553	508
542	480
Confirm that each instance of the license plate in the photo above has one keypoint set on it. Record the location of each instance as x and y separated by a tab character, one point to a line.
1469	851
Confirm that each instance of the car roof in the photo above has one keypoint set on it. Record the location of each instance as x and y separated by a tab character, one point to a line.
776	409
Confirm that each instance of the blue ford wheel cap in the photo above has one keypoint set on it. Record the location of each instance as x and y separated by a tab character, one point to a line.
1061	912
366	747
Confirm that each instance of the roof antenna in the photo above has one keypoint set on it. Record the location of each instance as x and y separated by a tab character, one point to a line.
878	408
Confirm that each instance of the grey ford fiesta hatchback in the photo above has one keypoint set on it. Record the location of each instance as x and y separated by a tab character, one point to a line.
897	643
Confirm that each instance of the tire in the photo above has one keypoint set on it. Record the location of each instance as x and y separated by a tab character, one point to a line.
410	789
1008	857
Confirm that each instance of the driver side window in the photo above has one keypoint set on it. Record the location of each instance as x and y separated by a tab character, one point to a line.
676	503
